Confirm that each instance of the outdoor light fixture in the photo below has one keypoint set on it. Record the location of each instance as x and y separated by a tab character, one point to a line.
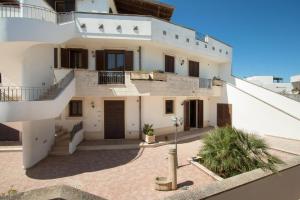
136	29
83	25
119	28
93	104
101	27
182	62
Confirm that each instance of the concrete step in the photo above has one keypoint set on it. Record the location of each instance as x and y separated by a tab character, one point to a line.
62	142
60	151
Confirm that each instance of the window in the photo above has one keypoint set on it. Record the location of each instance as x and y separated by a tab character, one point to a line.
0	79
197	43
115	61
213	48
164	32
75	108
177	37
220	50
226	52
205	46
169	64
169	106
187	40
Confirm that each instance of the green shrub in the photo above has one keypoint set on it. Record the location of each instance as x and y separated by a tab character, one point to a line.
148	130
228	152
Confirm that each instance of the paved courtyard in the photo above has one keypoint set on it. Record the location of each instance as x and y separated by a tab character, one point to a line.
113	174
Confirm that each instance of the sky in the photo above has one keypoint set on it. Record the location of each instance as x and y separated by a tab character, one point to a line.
264	34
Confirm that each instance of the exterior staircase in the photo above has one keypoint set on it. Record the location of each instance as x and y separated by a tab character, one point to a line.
61	145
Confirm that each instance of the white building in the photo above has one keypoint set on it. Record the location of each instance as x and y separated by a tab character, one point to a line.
275	84
115	65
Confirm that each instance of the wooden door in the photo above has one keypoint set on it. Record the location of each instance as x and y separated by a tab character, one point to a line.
186	110
200	114
114	120
169	64
224	115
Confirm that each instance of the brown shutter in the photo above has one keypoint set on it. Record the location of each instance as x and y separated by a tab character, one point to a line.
65	58
69	5
169	64
85	58
128	60
186	110
193	68
100	60
200	113
55	58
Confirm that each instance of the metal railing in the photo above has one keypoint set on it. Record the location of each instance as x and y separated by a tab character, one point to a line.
111	77
27	11
15	93
201	37
76	128
205	83
63	17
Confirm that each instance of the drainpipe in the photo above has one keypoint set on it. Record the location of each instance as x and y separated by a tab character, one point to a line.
140	58
140	98
140	117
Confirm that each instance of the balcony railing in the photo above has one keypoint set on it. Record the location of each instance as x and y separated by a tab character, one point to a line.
27	11
205	83
15	93
113	77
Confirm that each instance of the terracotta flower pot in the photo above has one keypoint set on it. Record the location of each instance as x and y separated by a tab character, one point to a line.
157	76
139	76
150	139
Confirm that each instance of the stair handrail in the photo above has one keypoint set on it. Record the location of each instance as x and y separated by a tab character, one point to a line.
76	128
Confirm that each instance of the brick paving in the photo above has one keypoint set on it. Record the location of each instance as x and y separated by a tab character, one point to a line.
112	174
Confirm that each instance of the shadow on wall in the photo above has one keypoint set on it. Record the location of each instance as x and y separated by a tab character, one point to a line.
81	162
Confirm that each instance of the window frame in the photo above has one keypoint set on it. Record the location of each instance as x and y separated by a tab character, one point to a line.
173	106
71	111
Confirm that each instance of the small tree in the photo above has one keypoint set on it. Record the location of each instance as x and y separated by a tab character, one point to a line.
228	152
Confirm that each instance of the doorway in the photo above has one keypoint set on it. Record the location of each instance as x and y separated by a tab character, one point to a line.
114	119
193	114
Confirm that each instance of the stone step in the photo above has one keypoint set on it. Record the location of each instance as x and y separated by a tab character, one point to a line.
60	151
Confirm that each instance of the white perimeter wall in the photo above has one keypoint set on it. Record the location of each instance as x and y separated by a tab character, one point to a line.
255	116
37	140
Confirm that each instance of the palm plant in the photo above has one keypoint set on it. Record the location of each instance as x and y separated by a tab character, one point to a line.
228	152
148	129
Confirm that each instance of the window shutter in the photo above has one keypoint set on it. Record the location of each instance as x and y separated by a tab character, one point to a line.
100	60
128	60
65	58
194	68
85	58
55	58
169	64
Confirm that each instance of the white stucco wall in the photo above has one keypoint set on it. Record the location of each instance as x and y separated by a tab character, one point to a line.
97	6
37	140
75	141
255	116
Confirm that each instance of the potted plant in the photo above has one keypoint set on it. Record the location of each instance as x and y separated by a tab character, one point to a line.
149	133
217	81
158	75
139	75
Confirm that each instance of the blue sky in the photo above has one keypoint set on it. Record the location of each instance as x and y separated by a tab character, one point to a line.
265	34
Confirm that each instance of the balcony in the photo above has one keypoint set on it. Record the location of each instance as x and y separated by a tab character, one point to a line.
115	77
94	83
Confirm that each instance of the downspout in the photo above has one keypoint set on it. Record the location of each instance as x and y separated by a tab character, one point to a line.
140	98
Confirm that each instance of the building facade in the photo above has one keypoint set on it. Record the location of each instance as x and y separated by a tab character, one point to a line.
110	67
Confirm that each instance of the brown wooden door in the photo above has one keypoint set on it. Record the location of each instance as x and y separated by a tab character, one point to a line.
200	113
186	110
224	115
114	119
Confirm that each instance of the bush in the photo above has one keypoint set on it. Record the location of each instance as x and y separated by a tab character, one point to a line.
228	152
148	130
